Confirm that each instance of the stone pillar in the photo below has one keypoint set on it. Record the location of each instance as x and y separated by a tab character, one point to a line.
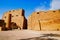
8	21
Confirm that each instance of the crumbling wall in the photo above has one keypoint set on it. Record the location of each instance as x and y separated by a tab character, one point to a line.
44	20
17	16
2	25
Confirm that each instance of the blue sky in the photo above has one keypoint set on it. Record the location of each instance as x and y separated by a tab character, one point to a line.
28	5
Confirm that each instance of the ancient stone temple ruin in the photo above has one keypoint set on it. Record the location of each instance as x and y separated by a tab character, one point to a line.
41	21
14	19
44	20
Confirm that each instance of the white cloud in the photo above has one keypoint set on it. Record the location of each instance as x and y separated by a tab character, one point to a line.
42	7
37	9
55	5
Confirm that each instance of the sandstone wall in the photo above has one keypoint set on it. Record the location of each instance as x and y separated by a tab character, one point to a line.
17	16
44	20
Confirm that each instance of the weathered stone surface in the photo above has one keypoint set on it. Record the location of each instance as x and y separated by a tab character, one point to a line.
17	16
49	20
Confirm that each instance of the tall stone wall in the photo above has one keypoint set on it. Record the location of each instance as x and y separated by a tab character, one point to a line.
44	20
17	17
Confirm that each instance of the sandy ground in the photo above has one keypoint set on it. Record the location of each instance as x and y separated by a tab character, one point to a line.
29	35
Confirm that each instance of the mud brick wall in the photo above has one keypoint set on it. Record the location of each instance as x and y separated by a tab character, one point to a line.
17	16
44	20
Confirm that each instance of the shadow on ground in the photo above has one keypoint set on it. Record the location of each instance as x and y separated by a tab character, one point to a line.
44	37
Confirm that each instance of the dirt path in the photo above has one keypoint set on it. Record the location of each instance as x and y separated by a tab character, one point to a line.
29	35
